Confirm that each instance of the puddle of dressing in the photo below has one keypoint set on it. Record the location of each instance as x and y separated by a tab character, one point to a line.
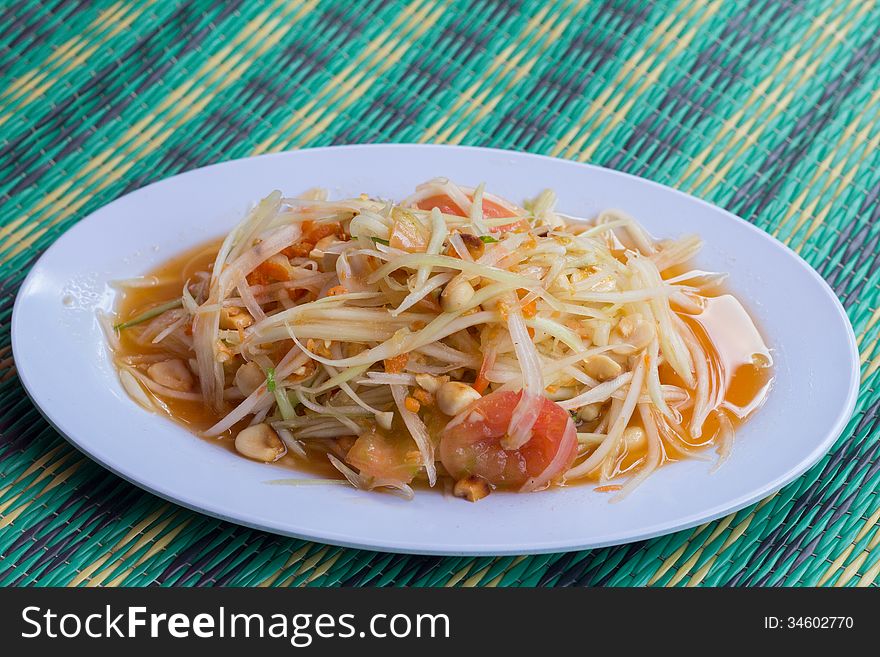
740	366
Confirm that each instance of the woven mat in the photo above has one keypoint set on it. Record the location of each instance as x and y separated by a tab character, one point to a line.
769	109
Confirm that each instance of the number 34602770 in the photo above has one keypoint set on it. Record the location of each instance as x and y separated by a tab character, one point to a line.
808	622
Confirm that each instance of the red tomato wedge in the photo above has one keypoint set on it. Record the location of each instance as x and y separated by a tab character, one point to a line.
471	444
313	231
443	203
492	210
518	225
446	205
383	458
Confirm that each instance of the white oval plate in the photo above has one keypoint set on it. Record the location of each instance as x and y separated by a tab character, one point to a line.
62	359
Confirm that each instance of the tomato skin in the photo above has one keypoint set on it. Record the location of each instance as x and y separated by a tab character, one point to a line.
314	231
471	442
446	205
493	210
442	202
520	225
380	457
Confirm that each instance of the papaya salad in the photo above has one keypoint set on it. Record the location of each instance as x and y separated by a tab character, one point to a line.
452	340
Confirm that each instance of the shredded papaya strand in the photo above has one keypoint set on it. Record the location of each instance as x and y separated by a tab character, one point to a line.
482	382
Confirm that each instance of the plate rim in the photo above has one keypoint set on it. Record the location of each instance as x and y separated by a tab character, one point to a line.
645	531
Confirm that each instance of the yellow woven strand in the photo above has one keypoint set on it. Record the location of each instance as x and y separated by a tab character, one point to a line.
500	576
36	465
667	564
294	558
734	535
120	549
458	576
324	567
843	556
698	576
875	317
870	367
306	565
672	558
476	578
723	524
158	546
47	472
683	570
853	568
868	578
9	518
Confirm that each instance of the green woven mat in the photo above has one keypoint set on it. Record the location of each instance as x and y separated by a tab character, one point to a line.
769	109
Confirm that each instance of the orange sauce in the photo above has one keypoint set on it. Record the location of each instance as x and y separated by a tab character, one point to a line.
171	276
194	415
739	362
738	358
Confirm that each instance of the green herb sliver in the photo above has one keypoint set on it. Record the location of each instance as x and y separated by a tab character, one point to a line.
286	407
487	239
379	240
150	314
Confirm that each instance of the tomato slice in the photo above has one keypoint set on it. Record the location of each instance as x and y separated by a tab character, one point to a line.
516	226
313	231
471	444
493	210
387	458
443	203
446	205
